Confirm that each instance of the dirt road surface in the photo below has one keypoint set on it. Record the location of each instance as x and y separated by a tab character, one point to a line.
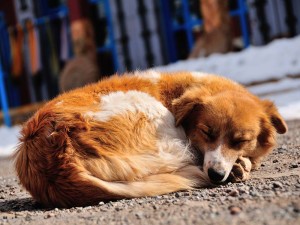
272	196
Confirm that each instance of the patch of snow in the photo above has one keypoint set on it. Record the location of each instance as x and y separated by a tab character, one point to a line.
280	86
285	98
291	111
8	140
273	61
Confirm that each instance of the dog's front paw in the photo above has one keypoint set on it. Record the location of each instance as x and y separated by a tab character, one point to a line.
240	170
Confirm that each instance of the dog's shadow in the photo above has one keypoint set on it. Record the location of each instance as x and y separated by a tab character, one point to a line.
27	204
18	205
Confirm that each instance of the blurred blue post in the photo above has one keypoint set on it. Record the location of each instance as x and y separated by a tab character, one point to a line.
111	34
3	96
188	24
3	93
243	21
169	33
110	46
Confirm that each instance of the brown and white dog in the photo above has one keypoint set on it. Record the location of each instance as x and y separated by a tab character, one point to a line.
141	135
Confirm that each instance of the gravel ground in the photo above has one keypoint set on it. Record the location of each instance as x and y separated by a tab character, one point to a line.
272	196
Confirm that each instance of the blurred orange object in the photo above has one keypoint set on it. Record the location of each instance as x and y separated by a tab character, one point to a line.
83	38
83	68
217	36
33	47
16	45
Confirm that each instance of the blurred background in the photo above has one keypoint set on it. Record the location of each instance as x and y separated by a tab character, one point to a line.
51	46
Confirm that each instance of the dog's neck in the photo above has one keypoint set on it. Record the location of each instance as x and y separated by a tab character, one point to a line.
172	89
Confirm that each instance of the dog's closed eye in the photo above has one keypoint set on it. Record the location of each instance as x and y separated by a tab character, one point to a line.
239	143
207	132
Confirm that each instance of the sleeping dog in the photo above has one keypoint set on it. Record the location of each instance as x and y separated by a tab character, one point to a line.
142	134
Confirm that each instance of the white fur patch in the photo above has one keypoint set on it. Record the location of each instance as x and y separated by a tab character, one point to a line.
118	103
199	74
151	75
216	160
59	103
171	141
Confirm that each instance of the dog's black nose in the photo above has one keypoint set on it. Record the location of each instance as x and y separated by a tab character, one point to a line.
214	175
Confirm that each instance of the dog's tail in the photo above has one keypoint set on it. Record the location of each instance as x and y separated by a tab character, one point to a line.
186	178
91	190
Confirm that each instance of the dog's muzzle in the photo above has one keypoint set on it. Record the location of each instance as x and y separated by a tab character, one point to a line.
217	166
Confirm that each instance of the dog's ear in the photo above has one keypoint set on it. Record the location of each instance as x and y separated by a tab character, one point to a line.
276	119
184	105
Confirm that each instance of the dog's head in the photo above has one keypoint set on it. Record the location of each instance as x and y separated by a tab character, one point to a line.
227	125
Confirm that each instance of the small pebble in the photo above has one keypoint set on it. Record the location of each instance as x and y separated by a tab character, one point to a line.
254	193
234	210
228	190
296	210
49	215
28	217
155	207
277	184
294	165
139	215
234	193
